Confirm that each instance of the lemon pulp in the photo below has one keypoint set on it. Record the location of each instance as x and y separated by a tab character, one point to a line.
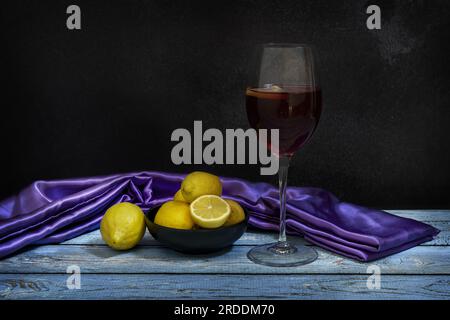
210	211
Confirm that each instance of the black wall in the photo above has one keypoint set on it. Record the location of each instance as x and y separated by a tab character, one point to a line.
106	98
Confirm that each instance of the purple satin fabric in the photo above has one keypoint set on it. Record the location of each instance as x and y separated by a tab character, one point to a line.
54	211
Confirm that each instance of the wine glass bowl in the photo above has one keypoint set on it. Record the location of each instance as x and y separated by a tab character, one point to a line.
294	110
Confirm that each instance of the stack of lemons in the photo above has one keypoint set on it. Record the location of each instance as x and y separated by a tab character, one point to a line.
198	204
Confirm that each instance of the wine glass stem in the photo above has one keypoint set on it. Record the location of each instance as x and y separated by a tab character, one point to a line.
282	180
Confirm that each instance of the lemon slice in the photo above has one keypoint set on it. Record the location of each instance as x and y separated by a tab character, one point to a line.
210	211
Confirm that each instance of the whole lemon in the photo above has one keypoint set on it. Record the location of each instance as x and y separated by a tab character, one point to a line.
123	226
237	213
175	214
179	196
199	183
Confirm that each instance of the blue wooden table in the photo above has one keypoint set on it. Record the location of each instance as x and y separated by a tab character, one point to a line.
153	271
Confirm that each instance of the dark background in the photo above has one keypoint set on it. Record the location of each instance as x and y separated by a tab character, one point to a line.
106	98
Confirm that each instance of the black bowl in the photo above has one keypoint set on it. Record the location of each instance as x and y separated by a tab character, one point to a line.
195	241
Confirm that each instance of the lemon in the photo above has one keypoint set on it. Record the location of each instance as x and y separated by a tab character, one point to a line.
199	183
237	213
123	226
210	211
174	214
179	196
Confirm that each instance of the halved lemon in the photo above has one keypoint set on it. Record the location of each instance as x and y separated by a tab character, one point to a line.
210	211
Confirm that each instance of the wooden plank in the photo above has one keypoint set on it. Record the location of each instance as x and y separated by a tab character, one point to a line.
157	286
102	259
251	237
423	215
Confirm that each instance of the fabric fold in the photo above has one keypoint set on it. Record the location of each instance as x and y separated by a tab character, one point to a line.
54	211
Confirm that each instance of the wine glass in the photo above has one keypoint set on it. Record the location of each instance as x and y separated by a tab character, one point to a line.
284	95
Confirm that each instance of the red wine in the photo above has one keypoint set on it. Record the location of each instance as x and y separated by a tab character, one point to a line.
294	110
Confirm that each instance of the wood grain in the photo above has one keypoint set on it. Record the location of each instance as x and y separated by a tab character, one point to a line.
157	286
102	259
423	215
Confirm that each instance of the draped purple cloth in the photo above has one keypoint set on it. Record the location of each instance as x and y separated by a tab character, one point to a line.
54	211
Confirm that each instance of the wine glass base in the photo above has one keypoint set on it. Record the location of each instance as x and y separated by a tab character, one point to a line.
281	254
